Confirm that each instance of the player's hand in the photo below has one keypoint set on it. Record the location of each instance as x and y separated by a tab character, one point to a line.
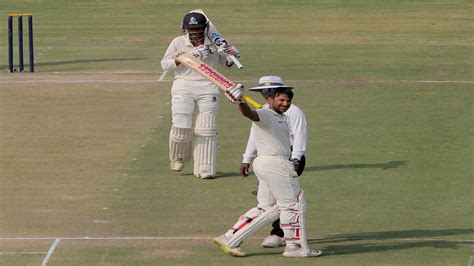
228	49
244	169
297	167
296	164
234	93
202	52
229	62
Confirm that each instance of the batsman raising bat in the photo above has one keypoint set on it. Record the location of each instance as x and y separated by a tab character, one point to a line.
279	193
190	90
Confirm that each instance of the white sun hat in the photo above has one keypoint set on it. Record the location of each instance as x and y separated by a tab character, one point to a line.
269	82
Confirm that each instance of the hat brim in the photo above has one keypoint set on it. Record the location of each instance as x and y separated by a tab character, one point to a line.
260	88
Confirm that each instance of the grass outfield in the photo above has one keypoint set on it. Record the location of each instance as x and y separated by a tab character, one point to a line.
386	87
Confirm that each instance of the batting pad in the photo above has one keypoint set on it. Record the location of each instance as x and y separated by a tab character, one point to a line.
293	224
266	217
205	145
180	144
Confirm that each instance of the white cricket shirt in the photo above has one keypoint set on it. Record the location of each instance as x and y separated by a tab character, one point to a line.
298	135
183	44
272	134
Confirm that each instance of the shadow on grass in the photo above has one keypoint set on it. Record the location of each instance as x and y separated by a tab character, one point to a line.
400	240
380	247
382	166
404	240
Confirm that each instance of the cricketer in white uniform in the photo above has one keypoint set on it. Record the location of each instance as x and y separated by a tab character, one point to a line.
296	120
189	89
279	193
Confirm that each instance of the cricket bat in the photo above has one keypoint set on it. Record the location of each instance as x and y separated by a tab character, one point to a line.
211	74
217	38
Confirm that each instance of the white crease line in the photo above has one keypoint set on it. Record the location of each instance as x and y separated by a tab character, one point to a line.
109	238
385	81
162	80
50	251
77	81
435	239
22	253
208	238
162	77
106	72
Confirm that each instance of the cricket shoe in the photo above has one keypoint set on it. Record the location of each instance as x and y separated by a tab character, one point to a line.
273	241
177	165
297	252
222	240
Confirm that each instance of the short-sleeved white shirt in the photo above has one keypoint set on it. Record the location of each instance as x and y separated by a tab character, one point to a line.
298	135
272	134
183	44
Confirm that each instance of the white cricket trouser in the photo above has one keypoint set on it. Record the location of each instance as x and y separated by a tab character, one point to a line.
277	181
185	94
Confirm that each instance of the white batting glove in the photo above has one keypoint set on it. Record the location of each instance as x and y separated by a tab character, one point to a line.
228	49
234	93
201	52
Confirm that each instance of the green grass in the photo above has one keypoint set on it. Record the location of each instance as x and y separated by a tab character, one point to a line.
386	87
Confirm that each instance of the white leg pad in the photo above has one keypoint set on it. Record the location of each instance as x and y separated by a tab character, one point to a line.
180	144
253	220
205	146
293	224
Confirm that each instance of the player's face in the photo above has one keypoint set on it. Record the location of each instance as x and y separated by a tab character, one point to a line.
280	103
196	36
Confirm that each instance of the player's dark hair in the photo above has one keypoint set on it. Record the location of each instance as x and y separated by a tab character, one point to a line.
276	91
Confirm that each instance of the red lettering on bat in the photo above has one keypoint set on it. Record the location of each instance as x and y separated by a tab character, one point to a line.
216	76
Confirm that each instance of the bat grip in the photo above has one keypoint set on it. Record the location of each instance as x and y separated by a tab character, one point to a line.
251	101
236	61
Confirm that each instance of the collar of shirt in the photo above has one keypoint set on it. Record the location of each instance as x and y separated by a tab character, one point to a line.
275	113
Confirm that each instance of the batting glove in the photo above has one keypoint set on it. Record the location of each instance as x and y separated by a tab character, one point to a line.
201	52
228	49
234	93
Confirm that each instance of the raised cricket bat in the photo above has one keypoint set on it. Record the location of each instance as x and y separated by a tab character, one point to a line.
211	74
217	38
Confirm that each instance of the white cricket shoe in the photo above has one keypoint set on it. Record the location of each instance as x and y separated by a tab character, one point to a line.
273	241
297	252
222	240
177	165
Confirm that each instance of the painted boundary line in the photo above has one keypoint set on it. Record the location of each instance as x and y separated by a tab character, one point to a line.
160	80
58	239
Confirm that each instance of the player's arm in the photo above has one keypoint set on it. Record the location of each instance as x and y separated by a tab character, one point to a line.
235	95
248	112
251	149
168	62
299	130
224	60
249	155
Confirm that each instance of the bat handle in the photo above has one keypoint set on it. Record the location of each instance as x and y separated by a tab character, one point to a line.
251	101
236	61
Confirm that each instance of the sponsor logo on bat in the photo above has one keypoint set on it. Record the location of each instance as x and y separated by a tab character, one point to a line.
218	39
216	76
